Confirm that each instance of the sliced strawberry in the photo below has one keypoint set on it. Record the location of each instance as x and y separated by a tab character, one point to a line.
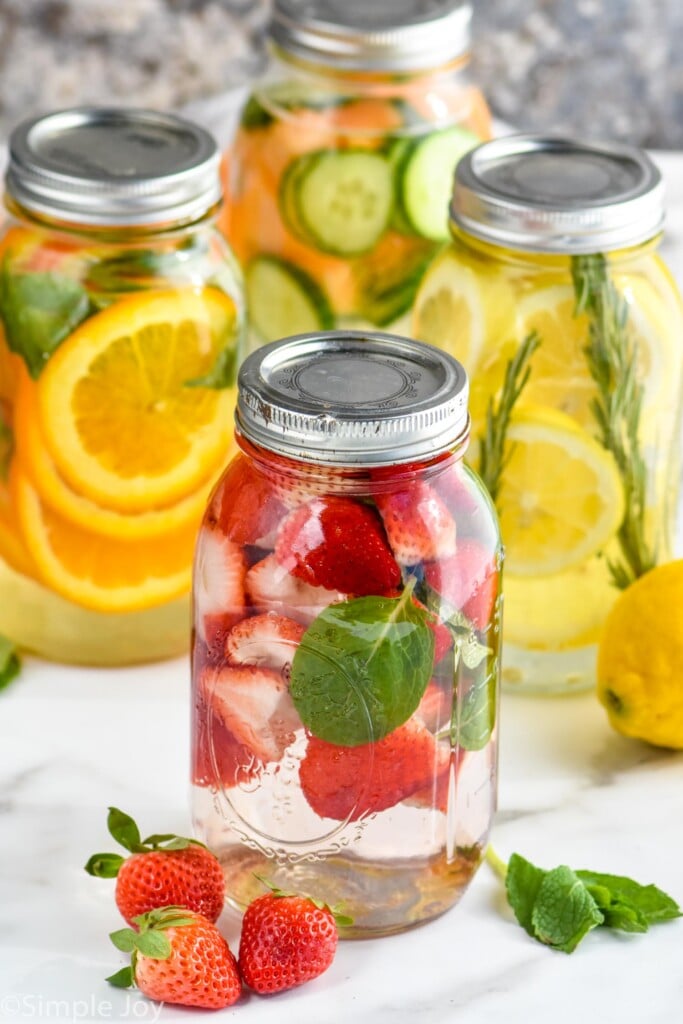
217	758
272	588
269	640
296	483
246	506
418	524
468	580
254	705
219	575
434	710
339	544
348	782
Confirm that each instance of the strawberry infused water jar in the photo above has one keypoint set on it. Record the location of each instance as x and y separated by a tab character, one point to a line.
347	608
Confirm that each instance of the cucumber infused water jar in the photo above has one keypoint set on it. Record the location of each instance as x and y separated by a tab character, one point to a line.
347	625
338	180
122	322
554	297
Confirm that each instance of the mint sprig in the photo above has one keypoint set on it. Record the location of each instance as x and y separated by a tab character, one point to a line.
362	668
125	831
559	907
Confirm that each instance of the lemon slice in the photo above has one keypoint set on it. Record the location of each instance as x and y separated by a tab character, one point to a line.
457	309
121	423
561	497
34	458
100	572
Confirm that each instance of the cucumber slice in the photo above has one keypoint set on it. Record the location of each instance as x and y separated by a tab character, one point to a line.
282	299
426	180
339	200
387	286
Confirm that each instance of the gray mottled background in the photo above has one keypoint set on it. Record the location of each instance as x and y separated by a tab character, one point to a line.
609	68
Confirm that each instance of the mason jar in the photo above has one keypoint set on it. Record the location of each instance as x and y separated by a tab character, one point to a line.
122	320
346	633
338	179
554	296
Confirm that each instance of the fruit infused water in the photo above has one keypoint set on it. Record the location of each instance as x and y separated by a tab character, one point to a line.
121	321
347	593
553	296
338	180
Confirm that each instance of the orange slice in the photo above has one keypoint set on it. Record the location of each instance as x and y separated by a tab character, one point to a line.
120	419
12	548
99	572
35	459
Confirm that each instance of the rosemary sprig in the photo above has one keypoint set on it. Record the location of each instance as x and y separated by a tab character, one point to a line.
493	456
611	354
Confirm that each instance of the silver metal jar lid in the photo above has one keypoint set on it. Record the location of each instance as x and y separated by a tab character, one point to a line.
345	398
373	35
113	167
555	195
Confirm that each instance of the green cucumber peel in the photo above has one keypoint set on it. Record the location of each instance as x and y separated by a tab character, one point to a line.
559	907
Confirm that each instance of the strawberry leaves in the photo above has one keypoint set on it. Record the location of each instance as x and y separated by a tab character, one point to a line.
148	940
125	831
362	668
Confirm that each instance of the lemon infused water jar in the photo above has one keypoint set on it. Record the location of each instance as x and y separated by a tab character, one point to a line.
554	297
347	624
339	177
122	316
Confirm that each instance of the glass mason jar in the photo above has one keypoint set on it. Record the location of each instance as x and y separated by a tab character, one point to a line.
339	177
553	278
122	319
347	617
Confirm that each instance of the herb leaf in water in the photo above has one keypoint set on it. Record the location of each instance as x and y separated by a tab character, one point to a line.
612	357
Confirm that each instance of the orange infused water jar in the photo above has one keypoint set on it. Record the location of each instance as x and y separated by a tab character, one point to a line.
339	177
553	295
347	626
122	318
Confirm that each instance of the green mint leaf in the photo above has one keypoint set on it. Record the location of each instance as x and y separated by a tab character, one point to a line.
10	663
222	374
122	979
361	668
564	911
124	830
124	939
522	884
472	651
616	914
654	904
475	718
39	310
104	865
153	944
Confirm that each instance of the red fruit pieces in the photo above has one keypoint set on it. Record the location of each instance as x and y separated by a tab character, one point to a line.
269	640
246	506
348	782
468	580
271	587
191	877
218	759
434	710
219	575
418	524
285	941
201	970
254	705
339	544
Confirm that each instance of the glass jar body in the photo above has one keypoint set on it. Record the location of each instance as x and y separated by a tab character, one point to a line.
588	497
338	185
345	702
116	396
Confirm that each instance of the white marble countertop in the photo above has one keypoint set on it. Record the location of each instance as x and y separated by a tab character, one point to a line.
73	741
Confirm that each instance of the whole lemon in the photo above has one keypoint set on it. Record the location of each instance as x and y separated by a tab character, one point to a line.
640	658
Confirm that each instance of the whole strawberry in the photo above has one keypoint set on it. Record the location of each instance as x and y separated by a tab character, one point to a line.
178	957
286	940
163	870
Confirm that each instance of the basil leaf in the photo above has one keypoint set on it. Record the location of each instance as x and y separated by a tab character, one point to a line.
39	310
564	911
10	664
361	668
